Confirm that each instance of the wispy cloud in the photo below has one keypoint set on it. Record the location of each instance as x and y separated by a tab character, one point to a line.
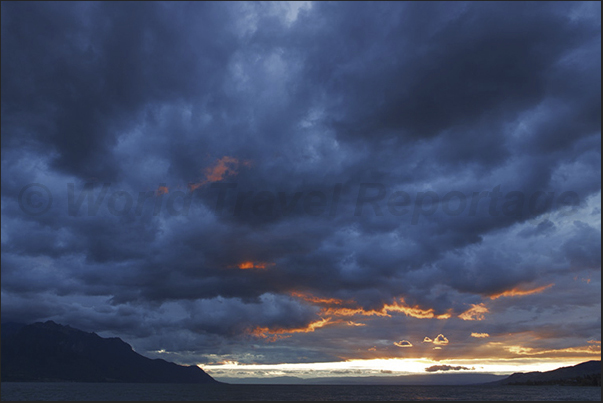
518	292
480	335
476	312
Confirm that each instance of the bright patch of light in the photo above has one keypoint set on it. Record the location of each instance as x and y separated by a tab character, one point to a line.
377	367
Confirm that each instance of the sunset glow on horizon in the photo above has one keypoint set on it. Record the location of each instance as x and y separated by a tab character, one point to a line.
379	367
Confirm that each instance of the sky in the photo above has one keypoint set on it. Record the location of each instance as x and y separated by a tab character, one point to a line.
307	189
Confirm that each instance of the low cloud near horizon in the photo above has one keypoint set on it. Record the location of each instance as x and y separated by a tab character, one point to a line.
443	368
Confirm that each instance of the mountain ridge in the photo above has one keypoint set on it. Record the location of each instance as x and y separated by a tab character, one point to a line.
47	352
587	373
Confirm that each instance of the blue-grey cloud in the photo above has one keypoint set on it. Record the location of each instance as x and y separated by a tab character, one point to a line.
482	100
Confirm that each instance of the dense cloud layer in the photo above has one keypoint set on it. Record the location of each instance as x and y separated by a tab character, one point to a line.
244	138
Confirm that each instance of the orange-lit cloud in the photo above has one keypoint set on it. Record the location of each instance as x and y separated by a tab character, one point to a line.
280	333
595	350
320	301
441	339
480	335
225	166
403	343
161	190
334	308
517	292
594	342
413	311
254	265
338	307
476	312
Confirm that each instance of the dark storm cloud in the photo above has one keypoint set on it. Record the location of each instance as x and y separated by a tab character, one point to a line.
413	97
446	67
436	368
74	76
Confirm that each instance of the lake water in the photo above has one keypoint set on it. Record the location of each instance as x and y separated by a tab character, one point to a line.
103	391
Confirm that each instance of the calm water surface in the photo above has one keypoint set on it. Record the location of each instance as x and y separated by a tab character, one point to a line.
123	391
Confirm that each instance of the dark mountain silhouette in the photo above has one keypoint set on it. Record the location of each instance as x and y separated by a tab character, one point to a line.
584	374
45	352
